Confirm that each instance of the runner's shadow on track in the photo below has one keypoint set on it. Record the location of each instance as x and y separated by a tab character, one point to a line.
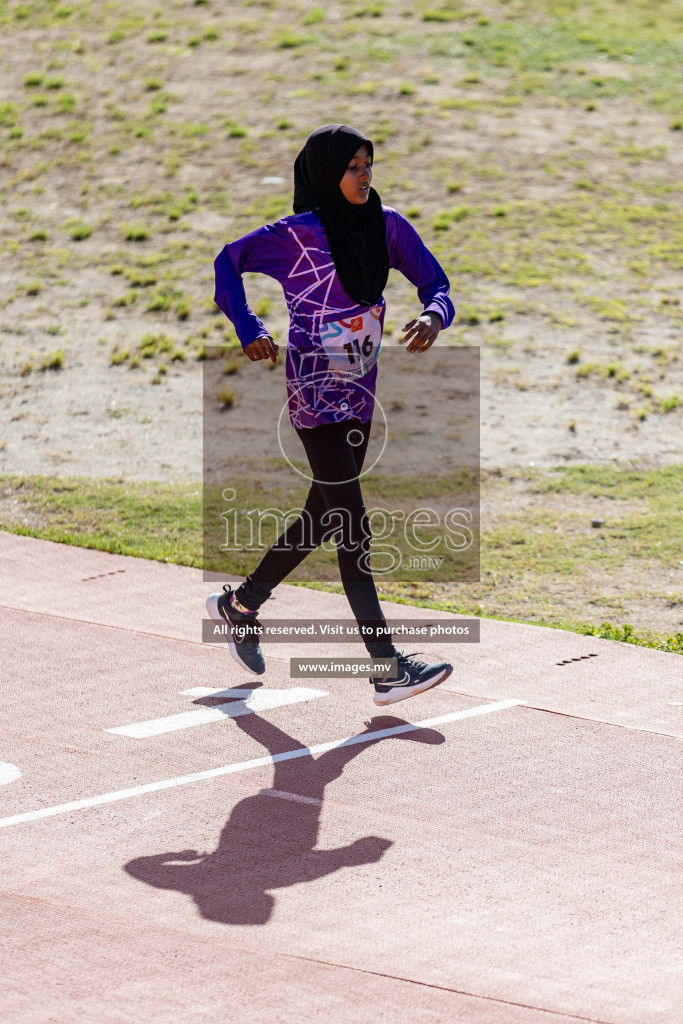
269	839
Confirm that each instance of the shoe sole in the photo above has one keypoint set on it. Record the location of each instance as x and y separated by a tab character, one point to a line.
382	699
215	614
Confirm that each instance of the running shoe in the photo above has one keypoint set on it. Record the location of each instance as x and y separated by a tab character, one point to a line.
246	651
412	677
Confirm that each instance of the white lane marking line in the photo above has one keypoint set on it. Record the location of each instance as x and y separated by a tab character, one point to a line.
257	762
8	773
212	691
297	797
256	700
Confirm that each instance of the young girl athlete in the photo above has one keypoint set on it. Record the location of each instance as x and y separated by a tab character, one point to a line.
332	258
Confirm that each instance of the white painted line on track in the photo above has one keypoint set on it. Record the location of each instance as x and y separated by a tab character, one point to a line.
297	797
212	691
255	701
8	773
257	762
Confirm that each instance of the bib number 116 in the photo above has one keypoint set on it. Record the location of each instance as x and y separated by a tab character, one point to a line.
364	349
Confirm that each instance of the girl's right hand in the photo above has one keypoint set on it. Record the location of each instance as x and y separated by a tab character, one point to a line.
262	348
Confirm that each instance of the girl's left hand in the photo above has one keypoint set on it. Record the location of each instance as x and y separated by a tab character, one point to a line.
422	332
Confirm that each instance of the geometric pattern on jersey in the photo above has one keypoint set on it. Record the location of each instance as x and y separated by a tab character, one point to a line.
314	395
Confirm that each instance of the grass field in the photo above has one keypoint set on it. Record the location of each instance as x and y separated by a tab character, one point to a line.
536	145
557	570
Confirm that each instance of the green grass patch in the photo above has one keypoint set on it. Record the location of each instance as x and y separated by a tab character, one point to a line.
158	521
54	360
540	567
136	232
79	231
289	40
9	114
226	398
443	221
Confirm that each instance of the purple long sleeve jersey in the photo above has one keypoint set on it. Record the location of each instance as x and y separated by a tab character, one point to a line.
331	364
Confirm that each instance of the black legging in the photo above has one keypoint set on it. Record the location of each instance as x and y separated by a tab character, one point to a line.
336	462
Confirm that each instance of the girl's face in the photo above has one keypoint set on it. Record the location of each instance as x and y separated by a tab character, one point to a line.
355	184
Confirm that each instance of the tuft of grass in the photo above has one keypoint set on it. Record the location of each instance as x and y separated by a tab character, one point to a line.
54	360
159	302
80	231
79	134
441	14
226	398
135	232
139	277
65	103
233	365
468	314
289	40
193	130
574	356
627	634
443	221
153	344
9	115
609	309
669	404
118	356
613	370
128	298
500	343
372	10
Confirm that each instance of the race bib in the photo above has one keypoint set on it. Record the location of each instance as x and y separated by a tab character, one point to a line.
352	345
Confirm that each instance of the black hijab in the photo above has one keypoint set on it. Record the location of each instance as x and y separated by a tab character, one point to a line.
356	233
